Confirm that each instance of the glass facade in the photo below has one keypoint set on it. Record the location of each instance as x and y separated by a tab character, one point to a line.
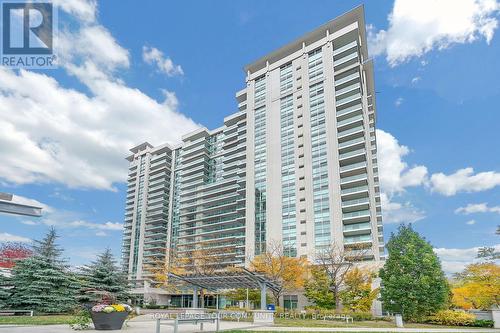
288	205
138	216
322	227
260	165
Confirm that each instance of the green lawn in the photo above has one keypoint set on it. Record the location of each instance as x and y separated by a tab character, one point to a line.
36	320
284	322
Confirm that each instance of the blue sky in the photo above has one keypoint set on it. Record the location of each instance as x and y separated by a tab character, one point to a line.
152	71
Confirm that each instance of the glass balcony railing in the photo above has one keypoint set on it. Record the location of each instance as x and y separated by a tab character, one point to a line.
351	130
355	202
365	212
357	226
357	239
352	166
354	86
348	99
352	153
351	178
350	120
354	189
345	47
347	79
351	142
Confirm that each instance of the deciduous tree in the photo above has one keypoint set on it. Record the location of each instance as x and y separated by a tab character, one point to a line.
477	287
11	252
336	261
357	294
317	288
287	273
413	282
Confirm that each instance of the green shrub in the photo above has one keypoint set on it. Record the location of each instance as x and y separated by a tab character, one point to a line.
81	321
483	323
452	318
318	313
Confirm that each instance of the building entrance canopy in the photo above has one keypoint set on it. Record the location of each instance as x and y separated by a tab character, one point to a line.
224	280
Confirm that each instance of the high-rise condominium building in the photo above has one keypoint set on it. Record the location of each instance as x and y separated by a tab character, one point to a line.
296	165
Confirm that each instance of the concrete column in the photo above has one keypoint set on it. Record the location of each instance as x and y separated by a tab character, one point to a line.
495	314
195	298
263	305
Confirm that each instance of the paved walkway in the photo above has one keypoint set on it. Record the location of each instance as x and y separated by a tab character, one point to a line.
375	329
146	324
140	324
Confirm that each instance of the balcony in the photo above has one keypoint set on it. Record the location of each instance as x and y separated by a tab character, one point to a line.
357	229
355	108
358	118
354	192
351	180
353	167
352	154
349	205
349	88
356	216
354	76
345	48
362	239
352	132
352	145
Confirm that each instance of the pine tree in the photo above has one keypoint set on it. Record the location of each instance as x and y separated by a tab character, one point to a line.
5	288
413	282
103	276
43	282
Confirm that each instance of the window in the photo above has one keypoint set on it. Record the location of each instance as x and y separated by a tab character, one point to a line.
290	302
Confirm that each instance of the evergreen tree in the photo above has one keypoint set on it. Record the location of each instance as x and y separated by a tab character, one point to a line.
413	282
5	291
103	276
43	282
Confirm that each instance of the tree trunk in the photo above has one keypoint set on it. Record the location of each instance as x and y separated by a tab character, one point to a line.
276	299
336	296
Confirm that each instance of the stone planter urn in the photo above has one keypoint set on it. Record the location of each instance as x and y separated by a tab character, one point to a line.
108	321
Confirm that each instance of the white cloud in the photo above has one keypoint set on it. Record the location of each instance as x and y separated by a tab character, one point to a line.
455	260
91	225
394	173
101	234
395	212
29	222
6	237
72	220
50	133
477	208
96	45
416	80
84	10
464	180
153	56
417	27
471	222
171	100
398	102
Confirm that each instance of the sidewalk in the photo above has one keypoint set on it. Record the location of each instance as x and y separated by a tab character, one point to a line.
374	329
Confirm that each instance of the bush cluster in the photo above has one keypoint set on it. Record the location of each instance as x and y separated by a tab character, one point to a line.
452	318
318	313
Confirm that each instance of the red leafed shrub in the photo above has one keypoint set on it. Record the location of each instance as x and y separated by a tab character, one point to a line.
11	252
